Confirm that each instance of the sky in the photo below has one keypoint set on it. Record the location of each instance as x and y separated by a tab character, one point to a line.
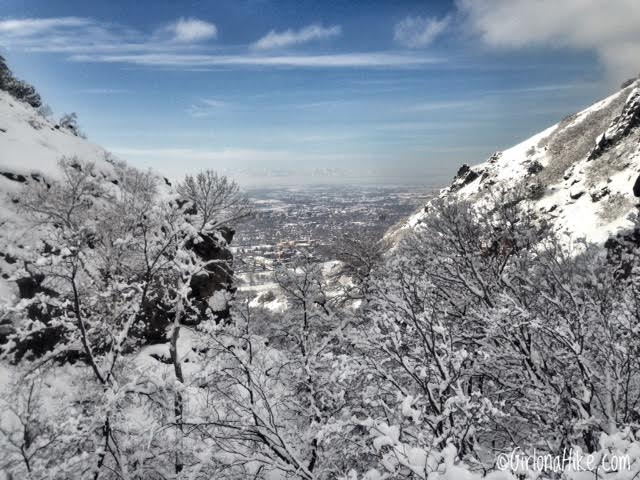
302	91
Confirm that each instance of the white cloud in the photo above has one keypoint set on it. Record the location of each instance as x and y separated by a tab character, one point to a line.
187	30
345	60
418	32
32	26
290	37
608	28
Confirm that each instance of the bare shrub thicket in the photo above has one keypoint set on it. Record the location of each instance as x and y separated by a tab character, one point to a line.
573	143
612	161
613	206
487	334
481	332
114	261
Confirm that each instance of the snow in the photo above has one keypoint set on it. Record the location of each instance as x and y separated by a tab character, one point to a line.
581	217
219	300
580	116
31	146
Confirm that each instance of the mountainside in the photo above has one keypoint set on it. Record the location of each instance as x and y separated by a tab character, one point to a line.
30	149
581	174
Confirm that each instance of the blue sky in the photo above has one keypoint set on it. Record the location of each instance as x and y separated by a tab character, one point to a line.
398	90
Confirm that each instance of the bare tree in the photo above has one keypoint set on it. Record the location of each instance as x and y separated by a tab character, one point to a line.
216	199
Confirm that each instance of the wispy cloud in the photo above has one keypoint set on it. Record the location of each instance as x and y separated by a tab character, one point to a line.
444	105
104	91
188	30
180	46
290	37
415	32
206	107
344	60
33	26
68	34
77	35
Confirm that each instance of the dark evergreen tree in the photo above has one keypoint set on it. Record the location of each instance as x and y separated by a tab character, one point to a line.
17	88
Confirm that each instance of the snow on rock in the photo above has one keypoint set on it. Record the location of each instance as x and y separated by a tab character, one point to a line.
579	174
219	301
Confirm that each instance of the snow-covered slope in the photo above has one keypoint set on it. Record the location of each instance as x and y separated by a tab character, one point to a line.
30	148
580	173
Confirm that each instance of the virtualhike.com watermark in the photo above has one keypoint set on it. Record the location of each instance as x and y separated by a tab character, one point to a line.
519	461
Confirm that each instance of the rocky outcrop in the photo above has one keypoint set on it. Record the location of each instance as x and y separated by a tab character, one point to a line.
465	176
218	277
636	187
621	126
207	288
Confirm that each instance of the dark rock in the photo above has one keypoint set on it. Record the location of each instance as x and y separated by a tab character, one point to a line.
166	180
16	177
576	195
49	249
218	276
471	176
534	167
219	271
536	191
465	176
462	171
599	194
28	287
45	339
636	187
618	250
620	127
191	210
495	157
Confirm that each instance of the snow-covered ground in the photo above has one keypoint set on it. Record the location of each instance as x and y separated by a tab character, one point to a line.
30	148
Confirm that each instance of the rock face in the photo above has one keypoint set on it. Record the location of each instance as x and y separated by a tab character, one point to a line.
212	248
49	336
465	176
636	187
206	288
621	126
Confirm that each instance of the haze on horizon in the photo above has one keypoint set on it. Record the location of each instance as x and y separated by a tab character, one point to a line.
299	92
